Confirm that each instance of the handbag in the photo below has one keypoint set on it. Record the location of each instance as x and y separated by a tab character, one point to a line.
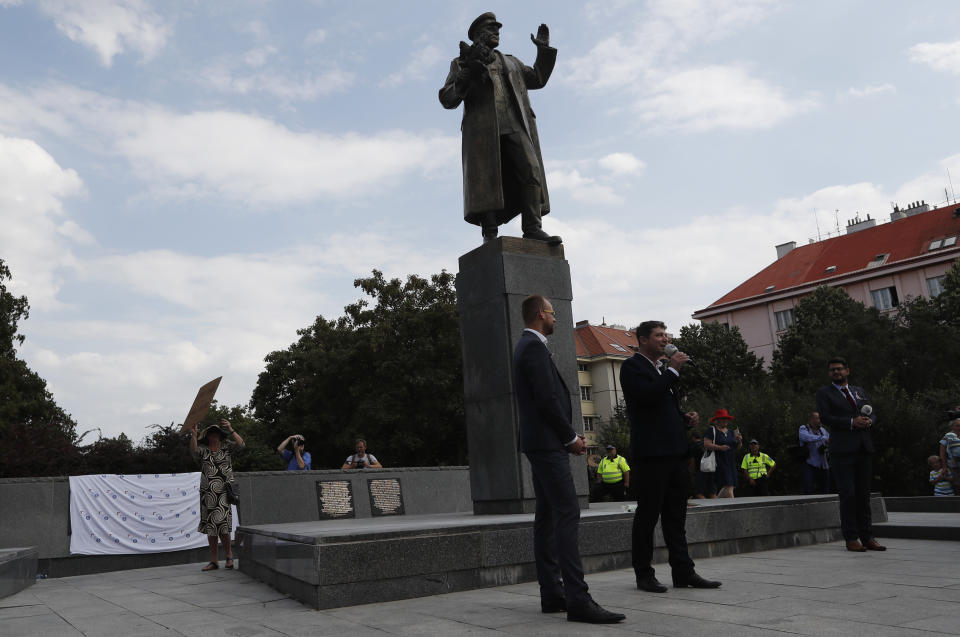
708	463
233	493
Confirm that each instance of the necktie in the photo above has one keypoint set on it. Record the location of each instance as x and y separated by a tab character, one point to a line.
846	392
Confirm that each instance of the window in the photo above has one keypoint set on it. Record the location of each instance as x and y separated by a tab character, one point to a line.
880	259
950	241
935	285
585	393
581	367
936	243
943	243
885	298
589	423
619	348
830	269
784	318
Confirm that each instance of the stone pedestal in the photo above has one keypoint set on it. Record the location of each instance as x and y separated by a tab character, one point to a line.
491	285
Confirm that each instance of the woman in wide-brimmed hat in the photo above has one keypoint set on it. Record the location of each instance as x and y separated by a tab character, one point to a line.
724	444
216	470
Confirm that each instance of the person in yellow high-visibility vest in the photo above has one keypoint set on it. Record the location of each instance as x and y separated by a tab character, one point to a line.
613	476
757	467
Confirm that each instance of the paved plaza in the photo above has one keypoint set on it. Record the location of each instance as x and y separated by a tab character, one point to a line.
913	589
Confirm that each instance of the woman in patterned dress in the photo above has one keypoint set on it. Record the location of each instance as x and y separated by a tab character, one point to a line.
216	469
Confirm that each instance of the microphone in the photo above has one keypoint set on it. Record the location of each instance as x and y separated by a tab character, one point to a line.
866	410
672	349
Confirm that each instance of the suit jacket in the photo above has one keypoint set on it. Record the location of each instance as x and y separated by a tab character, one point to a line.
657	425
483	187
543	400
836	412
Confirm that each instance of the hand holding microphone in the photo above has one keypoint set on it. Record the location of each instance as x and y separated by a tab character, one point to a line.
863	420
676	358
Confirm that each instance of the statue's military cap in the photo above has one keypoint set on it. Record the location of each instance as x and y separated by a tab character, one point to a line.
483	20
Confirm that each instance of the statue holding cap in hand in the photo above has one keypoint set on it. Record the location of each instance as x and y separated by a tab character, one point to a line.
503	172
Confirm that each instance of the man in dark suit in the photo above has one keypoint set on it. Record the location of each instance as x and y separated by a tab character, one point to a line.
547	437
851	453
658	441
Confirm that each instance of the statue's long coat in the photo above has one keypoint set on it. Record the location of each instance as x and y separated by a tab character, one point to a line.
484	189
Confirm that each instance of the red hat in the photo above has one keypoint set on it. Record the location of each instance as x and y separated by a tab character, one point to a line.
721	414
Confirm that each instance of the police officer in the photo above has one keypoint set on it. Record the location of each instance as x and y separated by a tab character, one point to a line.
613	475
757	467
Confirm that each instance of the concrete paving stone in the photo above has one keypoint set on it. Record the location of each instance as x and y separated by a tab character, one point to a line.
48	625
33	610
828	627
119	625
264	610
706	609
150	604
948	623
208	623
883	611
21	598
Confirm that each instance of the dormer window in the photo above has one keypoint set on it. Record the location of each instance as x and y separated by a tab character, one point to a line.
770	288
830	269
878	260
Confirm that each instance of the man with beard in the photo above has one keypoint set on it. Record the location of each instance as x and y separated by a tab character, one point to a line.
546	438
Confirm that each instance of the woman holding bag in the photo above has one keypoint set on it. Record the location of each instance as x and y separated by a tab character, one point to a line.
723	443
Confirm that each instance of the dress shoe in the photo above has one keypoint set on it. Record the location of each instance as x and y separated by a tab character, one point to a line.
592	613
650	584
873	545
558	605
694	581
855	546
540	235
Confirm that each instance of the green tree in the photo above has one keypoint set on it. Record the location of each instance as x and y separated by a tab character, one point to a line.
616	432
721	358
389	371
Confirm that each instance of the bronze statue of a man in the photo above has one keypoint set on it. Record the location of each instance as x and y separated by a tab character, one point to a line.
502	167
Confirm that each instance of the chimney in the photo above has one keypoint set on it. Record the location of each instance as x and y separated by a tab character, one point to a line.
785	248
856	224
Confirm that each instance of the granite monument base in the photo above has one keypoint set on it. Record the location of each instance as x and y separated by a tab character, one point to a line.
492	283
350	562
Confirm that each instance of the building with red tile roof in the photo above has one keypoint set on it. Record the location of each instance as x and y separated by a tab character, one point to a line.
878	265
601	350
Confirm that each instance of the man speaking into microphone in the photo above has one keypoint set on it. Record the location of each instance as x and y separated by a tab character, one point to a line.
658	441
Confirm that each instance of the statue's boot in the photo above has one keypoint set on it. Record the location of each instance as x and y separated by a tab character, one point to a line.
489	228
530	217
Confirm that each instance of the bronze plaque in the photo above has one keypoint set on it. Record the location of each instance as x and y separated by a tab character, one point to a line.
335	499
386	497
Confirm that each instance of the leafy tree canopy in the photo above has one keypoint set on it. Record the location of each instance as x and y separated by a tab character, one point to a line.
388	370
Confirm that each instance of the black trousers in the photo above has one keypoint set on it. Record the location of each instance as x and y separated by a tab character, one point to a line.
662	485
852	473
556	529
761	486
616	491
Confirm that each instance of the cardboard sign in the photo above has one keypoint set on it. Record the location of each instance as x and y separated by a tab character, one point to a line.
201	404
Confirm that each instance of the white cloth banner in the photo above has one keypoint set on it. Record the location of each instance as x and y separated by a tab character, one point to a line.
143	513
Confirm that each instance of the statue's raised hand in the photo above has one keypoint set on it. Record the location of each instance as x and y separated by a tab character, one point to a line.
543	36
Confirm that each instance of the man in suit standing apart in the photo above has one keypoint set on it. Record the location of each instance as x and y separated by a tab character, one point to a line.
851	453
546	437
658	440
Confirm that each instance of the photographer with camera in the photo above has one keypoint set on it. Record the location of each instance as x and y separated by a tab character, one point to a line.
361	459
816	468
299	458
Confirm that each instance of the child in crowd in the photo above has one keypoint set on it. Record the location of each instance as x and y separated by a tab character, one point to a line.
940	477
951	447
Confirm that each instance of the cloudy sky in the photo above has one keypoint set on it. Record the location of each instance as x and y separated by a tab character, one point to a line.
184	184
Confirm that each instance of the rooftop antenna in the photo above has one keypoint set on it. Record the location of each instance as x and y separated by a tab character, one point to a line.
836	219
816	219
950	179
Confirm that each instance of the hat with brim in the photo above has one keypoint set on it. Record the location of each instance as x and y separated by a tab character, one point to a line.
483	20
207	430
610	447
754	442
721	414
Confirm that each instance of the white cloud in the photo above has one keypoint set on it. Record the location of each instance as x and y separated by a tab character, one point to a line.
240	157
423	64
622	164
258	57
271	81
648	61
698	100
582	189
315	37
34	242
109	27
870	91
940	56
